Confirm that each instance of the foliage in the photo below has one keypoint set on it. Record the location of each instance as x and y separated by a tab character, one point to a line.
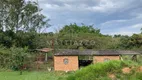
9	39
4	57
84	36
75	30
18	58
20	15
136	40
71	37
133	42
21	25
20	21
14	58
100	71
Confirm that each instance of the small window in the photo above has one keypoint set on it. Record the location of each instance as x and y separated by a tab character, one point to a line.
106	59
66	61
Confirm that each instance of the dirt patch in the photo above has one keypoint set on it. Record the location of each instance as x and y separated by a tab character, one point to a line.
139	69
126	70
112	76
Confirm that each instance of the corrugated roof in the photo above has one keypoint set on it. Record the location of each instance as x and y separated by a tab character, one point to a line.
70	52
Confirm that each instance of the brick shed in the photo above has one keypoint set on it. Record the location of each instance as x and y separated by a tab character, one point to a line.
68	60
65	63
106	55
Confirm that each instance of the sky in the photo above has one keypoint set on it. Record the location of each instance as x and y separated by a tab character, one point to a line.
110	16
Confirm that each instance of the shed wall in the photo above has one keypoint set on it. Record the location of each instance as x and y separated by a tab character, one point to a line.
103	58
59	64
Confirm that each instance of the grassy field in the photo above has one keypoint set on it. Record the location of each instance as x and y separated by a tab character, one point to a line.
99	71
32	76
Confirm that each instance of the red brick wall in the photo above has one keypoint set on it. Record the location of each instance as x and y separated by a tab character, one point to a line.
101	58
60	66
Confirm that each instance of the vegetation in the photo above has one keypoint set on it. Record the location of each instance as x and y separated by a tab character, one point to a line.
33	76
18	57
21	27
18	15
90	38
101	71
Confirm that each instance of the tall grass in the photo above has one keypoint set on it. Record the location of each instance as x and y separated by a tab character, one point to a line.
100	71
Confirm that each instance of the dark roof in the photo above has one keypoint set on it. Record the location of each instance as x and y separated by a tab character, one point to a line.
69	52
44	49
74	52
107	52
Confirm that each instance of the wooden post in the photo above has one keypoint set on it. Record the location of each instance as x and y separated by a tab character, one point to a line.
134	57
45	57
121	57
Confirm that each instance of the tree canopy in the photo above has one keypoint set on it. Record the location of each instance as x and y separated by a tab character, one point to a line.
20	15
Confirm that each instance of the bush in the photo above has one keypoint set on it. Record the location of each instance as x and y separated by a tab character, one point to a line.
96	71
139	75
18	57
100	71
4	57
71	77
131	76
129	63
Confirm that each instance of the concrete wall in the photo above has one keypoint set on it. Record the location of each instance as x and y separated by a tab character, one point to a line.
72	64
104	58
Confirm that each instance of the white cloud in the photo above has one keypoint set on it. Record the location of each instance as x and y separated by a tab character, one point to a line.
106	6
139	15
129	33
52	6
137	25
124	30
113	21
103	6
85	5
112	16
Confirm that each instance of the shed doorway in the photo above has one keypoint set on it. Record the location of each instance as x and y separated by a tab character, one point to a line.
85	61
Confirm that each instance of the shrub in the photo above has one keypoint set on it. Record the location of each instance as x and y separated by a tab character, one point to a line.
139	76
100	71
96	71
129	63
19	57
71	77
4	57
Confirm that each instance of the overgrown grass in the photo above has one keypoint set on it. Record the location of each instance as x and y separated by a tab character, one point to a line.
129	58
100	71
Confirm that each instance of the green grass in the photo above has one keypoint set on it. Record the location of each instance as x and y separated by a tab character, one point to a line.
32	76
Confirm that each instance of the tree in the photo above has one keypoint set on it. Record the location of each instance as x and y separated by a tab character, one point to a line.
75	29
136	41
84	36
116	36
20	15
124	42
